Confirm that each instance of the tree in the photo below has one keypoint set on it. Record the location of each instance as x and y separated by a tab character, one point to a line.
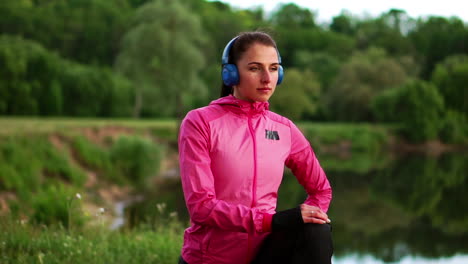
436	38
221	23
417	106
451	78
385	32
292	16
324	65
362	78
298	95
35	81
344	24
161	55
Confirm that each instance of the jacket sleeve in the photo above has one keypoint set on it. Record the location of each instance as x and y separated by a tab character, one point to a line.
305	166
198	183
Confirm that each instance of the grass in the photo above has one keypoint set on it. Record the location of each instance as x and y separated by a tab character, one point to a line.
21	242
28	125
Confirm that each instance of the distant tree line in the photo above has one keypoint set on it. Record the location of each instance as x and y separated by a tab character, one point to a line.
160	58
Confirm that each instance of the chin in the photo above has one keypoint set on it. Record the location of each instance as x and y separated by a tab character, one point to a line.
264	98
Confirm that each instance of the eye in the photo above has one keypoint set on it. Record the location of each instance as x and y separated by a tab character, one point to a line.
274	68
255	68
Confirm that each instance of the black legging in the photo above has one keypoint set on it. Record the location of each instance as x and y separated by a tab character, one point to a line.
310	244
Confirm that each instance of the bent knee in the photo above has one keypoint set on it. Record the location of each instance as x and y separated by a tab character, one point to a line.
314	231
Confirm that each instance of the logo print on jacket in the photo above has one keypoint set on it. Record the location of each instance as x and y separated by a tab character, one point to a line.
273	135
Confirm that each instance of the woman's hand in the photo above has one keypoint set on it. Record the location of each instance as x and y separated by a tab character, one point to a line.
313	214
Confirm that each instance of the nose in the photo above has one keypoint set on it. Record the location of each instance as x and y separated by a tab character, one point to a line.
266	76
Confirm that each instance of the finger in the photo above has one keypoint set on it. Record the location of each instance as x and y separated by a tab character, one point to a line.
314	220
320	215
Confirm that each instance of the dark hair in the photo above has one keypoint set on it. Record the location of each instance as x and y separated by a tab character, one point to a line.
244	41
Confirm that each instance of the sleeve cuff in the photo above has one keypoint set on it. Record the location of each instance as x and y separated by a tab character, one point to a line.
266	224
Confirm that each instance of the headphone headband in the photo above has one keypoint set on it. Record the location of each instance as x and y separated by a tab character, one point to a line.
230	74
225	57
227	49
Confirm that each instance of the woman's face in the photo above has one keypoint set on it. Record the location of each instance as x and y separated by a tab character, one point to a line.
258	72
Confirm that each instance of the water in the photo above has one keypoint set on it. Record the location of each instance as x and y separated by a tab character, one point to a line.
385	209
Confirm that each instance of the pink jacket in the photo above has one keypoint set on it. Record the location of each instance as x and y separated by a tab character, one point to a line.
232	155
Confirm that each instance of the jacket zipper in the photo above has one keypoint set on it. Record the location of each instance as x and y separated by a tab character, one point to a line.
254	180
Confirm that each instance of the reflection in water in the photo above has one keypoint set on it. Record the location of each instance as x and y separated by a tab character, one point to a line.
386	211
353	259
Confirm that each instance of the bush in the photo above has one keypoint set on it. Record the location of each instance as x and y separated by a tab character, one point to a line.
454	128
385	106
451	78
417	106
136	158
92	155
422	110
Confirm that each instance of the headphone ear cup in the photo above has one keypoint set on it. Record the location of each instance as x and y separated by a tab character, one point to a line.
230	74
280	75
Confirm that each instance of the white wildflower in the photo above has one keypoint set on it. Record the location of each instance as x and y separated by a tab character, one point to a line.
161	207
78	196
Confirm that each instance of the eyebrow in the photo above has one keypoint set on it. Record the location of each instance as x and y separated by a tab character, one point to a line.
259	63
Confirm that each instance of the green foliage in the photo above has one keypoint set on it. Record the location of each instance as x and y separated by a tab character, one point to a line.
386	106
129	159
292	16
14	175
366	75
25	243
386	32
86	31
451	78
358	138
45	165
425	186
303	89
454	128
324	65
410	103
161	55
57	204
135	158
60	58
101	91
92	155
343	23
38	82
435	38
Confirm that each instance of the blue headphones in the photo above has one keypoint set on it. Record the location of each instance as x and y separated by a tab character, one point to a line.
230	74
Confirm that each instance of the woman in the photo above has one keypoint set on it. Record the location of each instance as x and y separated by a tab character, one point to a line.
232	155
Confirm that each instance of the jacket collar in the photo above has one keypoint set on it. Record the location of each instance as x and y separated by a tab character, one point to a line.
241	106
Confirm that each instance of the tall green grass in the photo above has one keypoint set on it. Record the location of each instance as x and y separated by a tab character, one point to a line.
24	243
44	180
130	159
29	163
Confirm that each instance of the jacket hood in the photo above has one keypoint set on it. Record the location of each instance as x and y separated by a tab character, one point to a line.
241	106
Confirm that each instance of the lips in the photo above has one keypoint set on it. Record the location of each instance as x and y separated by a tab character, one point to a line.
264	89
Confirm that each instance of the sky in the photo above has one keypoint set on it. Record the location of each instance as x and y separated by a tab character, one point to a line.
326	9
